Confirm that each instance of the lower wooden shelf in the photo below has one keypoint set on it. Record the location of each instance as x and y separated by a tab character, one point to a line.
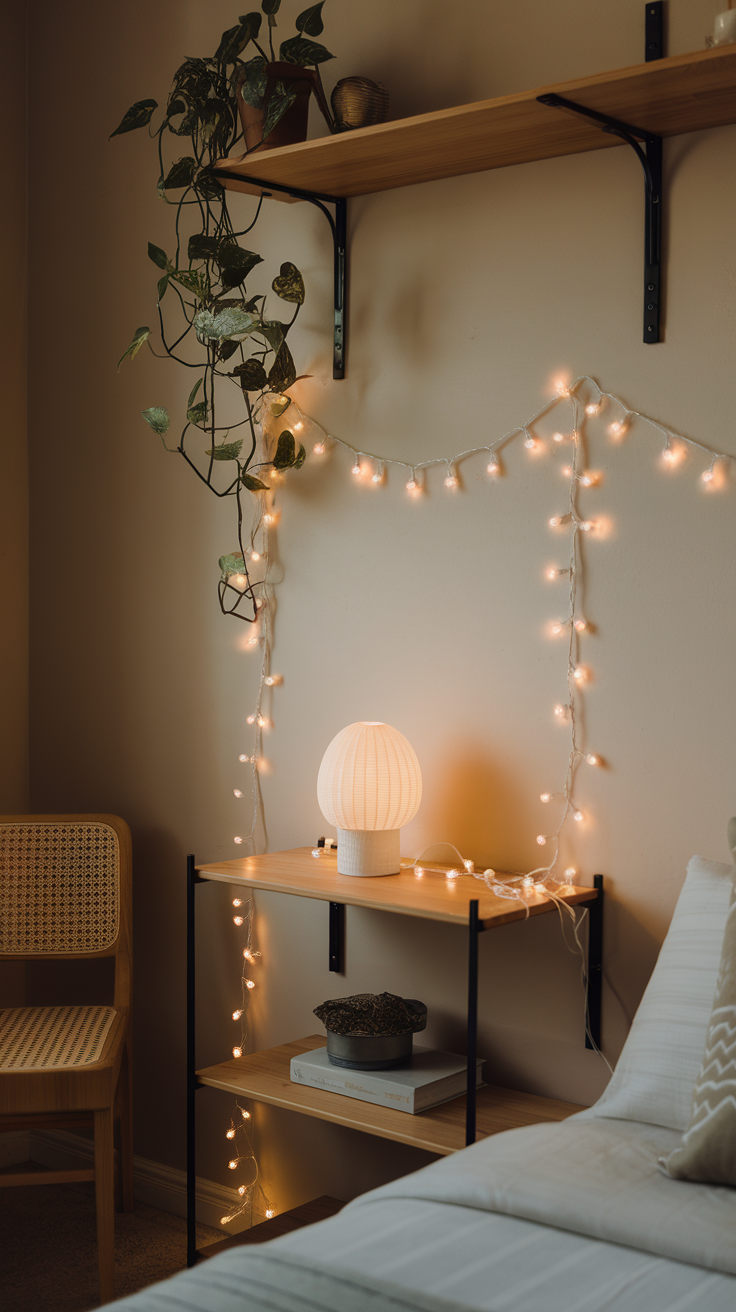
264	1076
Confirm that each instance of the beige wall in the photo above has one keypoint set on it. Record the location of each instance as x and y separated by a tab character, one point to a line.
467	297
13	446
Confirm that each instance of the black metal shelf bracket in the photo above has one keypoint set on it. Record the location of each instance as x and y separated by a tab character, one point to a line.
595	969
192	1083
338	227
337	938
650	159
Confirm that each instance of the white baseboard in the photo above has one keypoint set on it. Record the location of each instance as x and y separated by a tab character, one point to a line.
155	1184
14	1147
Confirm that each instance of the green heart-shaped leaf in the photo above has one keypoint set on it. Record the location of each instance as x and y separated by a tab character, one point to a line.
202	247
181	173
232	564
300	458
158	417
283	370
138	116
253	484
290	284
297	50
226	451
140	336
158	256
281	99
252	376
285	451
310	20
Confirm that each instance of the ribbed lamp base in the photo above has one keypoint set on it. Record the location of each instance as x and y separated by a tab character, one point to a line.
368	852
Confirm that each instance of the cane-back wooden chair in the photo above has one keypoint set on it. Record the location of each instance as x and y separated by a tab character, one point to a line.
65	893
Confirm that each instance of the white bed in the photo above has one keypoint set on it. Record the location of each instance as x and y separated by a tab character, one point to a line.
571	1217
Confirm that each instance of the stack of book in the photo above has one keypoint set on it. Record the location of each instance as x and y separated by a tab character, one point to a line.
429	1078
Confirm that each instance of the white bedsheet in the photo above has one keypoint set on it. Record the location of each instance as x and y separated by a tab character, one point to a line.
412	1255
593	1176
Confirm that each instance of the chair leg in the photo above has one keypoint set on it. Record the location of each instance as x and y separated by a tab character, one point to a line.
105	1198
126	1130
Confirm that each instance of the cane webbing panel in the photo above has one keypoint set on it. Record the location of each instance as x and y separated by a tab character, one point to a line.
59	887
52	1038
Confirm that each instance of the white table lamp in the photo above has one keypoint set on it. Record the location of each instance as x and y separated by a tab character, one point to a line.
369	785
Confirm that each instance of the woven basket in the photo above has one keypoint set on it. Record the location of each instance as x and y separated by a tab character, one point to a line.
358	103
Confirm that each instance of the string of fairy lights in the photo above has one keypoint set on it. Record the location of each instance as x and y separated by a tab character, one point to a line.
577	402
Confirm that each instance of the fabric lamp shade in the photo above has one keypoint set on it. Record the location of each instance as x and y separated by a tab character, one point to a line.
369	785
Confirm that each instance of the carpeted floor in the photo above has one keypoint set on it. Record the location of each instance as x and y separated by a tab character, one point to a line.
48	1248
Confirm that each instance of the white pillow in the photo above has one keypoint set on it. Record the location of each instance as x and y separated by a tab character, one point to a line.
661	1059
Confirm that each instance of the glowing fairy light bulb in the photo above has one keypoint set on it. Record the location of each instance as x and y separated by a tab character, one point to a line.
255	555
527	883
243	758
570	874
238	581
264	722
270	1212
451	479
237	901
251	719
269	518
555	521
237	1014
541	839
530	442
379	474
298	426
357	471
470	867
585	525
708	476
419	871
252	641
561	711
237	839
669	456
592	408
230	1134
580	626
552	572
558	437
592	759
617	428
412	486
587	480
273	680
237	792
566	471
233	1165
249	956
241	1190
577	815
250	984
561	389
493	466
319	448
237	920
545	797
260	601
452	874
237	1052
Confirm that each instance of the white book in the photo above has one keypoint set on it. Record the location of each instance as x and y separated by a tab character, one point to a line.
430	1077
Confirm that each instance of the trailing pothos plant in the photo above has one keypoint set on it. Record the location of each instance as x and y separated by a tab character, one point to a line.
214	325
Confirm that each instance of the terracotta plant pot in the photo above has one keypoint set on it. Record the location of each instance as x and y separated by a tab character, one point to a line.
292	127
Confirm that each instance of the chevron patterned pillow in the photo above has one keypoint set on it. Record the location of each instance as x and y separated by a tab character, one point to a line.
708	1149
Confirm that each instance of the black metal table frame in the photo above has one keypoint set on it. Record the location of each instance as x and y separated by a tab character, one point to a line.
336	953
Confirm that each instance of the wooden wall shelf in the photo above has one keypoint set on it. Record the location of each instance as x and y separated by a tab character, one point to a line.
264	1076
664	98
